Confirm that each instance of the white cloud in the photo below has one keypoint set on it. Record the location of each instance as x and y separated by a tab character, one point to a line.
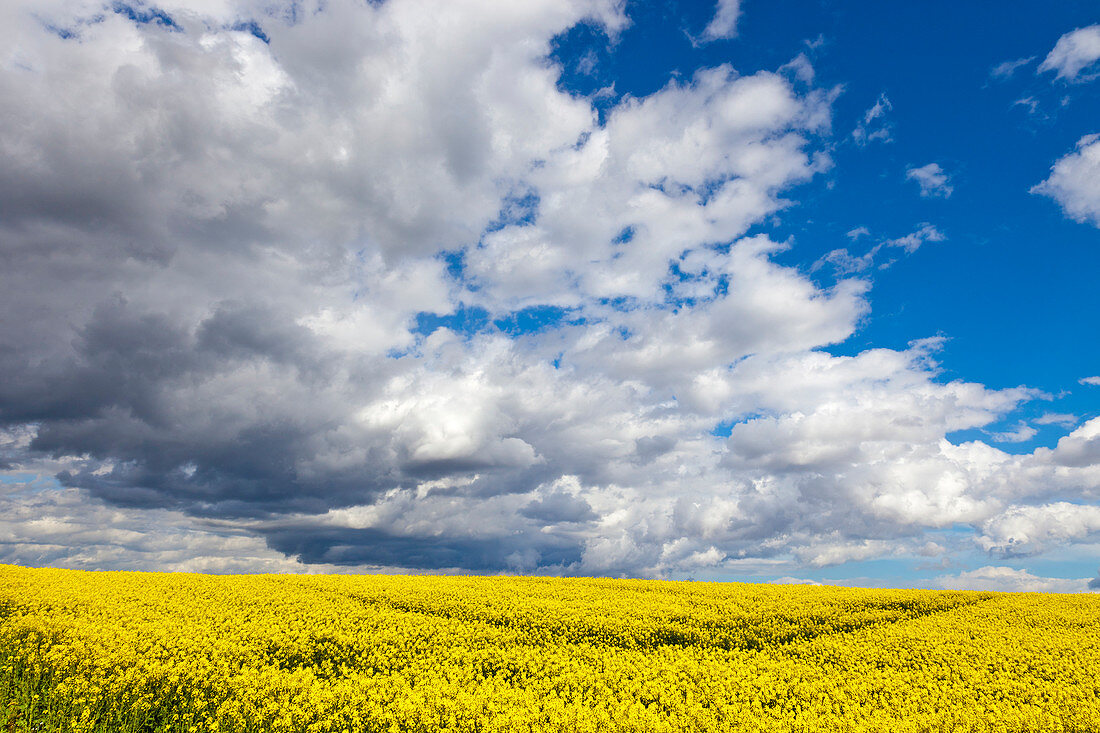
1079	448
1056	418
226	354
992	578
1006	69
800	68
1030	103
696	162
933	181
46	525
845	263
1074	181
912	242
724	22
873	126
1027	530
823	554
1020	433
1075	52
791	580
1091	381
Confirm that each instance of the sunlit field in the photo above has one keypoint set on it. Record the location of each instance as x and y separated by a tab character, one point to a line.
169	652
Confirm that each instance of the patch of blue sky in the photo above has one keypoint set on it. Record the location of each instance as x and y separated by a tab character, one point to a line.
903	571
466	321
22	483
625	236
620	303
518	208
254	28
64	34
724	428
455	263
17	477
907	569
470	321
998	285
1039	422
145	14
1066	561
583	53
536	319
69	33
896	572
673	288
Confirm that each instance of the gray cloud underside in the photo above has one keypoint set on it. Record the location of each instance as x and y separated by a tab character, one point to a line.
214	251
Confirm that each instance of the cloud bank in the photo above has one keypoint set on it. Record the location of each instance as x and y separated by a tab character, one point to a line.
363	286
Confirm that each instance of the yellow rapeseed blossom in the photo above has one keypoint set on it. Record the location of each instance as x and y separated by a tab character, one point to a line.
95	652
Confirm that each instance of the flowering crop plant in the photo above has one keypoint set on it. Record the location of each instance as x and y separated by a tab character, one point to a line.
90	651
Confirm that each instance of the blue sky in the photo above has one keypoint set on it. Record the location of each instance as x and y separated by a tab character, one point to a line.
795	291
1011	287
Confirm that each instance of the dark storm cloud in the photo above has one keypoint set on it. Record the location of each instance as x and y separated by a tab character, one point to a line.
123	394
117	360
345	546
244	331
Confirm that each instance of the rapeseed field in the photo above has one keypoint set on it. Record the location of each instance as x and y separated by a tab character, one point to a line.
89	652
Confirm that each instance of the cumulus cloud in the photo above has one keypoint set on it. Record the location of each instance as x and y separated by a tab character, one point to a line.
262	296
997	578
1074	53
1073	182
933	181
1080	448
724	22
1028	530
1090	381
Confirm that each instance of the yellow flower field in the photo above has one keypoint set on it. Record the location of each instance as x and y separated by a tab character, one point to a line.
151	652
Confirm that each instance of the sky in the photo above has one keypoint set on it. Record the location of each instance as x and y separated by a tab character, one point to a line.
798	291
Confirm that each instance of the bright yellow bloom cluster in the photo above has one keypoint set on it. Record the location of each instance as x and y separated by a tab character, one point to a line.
89	652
